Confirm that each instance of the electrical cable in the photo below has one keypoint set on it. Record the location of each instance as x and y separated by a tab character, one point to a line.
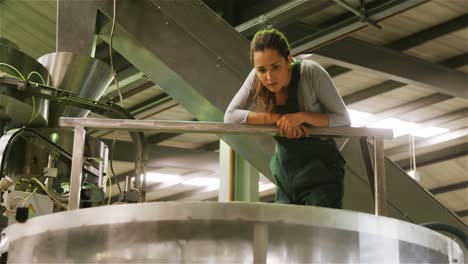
14	69
25	199
111	37
107	181
20	75
110	185
34	116
111	154
46	190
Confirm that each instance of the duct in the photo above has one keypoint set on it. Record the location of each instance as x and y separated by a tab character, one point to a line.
84	76
17	112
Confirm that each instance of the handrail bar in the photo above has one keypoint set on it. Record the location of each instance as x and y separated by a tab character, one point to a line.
214	127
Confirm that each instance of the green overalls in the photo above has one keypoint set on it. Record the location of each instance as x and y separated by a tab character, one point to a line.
307	171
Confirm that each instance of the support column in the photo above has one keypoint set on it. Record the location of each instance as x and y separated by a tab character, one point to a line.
379	177
238	178
246	181
225	187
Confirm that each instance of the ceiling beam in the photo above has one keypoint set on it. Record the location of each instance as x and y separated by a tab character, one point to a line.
456	61
429	34
462	213
160	137
149	103
450	188
351	24
454	115
335	70
419	38
212	146
454	134
408	107
248	10
435	156
372	91
356	54
128	90
387	86
283	15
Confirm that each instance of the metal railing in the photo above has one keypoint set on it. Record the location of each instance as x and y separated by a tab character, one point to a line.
80	125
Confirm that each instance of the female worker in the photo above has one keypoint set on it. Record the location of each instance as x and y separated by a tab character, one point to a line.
294	94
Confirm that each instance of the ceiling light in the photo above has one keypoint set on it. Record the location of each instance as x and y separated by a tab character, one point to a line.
413	174
210	183
399	127
358	118
156	177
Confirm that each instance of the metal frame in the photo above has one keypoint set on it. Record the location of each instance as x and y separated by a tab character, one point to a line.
80	124
429	34
283	15
441	155
450	188
454	134
356	54
352	24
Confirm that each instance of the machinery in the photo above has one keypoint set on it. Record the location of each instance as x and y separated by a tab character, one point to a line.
35	153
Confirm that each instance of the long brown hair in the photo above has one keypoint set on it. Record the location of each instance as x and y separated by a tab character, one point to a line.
267	39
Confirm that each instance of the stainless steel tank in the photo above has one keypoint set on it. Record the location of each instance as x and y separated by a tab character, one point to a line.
211	232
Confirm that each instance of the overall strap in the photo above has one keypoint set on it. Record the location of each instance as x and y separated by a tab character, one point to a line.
292	101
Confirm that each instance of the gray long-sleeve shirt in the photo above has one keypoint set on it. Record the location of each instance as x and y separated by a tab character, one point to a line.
316	93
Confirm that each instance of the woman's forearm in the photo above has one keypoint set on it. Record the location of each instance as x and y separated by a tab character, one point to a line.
315	119
262	118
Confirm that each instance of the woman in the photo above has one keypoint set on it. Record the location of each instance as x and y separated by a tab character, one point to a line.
294	94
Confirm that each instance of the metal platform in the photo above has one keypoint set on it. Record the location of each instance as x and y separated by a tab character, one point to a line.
174	232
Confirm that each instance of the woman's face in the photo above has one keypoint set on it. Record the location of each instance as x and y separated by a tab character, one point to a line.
272	69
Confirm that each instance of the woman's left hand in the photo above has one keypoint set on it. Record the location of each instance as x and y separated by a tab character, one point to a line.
289	121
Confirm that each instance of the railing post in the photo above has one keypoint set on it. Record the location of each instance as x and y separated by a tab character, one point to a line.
76	168
225	194
379	177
